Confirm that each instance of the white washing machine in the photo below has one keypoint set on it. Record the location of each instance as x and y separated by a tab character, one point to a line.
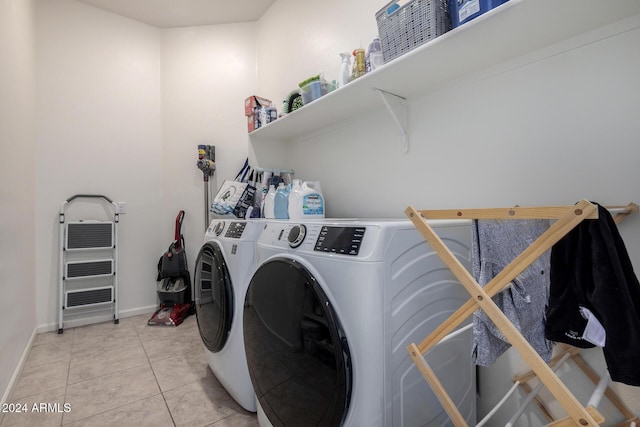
223	268
329	313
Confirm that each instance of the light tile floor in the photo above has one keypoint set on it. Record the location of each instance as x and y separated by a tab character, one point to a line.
130	374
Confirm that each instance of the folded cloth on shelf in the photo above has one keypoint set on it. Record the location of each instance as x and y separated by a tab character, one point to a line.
590	268
495	244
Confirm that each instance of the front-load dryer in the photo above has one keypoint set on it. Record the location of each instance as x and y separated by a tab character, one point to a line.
223	268
328	315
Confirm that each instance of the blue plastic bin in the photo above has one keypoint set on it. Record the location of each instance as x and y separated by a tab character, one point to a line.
462	11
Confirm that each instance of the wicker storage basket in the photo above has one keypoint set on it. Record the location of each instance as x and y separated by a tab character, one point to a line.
406	27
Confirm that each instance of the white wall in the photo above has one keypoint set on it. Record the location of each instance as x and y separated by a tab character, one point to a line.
17	185
207	72
122	107
552	127
98	132
297	40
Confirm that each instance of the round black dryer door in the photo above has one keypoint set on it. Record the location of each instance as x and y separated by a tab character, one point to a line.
297	352
214	297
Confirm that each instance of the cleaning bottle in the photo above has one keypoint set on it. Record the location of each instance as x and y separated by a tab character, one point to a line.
306	200
374	55
295	200
269	202
359	67
344	77
281	202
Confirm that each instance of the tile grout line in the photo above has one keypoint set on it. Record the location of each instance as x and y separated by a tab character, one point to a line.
66	383
108	410
75	347
155	377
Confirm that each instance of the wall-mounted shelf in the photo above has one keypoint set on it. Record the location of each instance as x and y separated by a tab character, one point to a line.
516	28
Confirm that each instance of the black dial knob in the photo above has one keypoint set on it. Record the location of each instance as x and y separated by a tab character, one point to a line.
296	235
218	228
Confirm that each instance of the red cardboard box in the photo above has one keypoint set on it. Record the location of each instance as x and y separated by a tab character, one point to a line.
253	102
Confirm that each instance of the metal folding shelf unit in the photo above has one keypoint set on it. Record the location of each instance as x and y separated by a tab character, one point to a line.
88	261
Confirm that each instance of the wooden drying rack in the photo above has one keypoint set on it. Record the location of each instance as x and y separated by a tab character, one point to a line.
567	218
566	353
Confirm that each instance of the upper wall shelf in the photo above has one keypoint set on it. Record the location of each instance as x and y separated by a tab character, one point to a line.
511	30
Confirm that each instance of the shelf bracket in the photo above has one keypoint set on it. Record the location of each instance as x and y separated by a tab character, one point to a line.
399	119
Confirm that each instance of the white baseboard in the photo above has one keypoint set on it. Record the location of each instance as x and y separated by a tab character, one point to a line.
137	311
73	323
18	370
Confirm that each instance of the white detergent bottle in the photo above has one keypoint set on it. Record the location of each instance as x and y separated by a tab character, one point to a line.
306	200
269	202
295	200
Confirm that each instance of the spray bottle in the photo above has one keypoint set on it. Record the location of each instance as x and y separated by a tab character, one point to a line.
344	77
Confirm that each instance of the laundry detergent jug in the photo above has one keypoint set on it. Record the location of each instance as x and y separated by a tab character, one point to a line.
281	202
269	203
306	200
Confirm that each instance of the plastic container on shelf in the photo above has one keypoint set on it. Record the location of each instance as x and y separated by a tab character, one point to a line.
403	28
462	11
315	89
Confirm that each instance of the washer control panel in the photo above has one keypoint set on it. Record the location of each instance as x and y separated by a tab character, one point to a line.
218	228
235	230
340	240
296	235
332	239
